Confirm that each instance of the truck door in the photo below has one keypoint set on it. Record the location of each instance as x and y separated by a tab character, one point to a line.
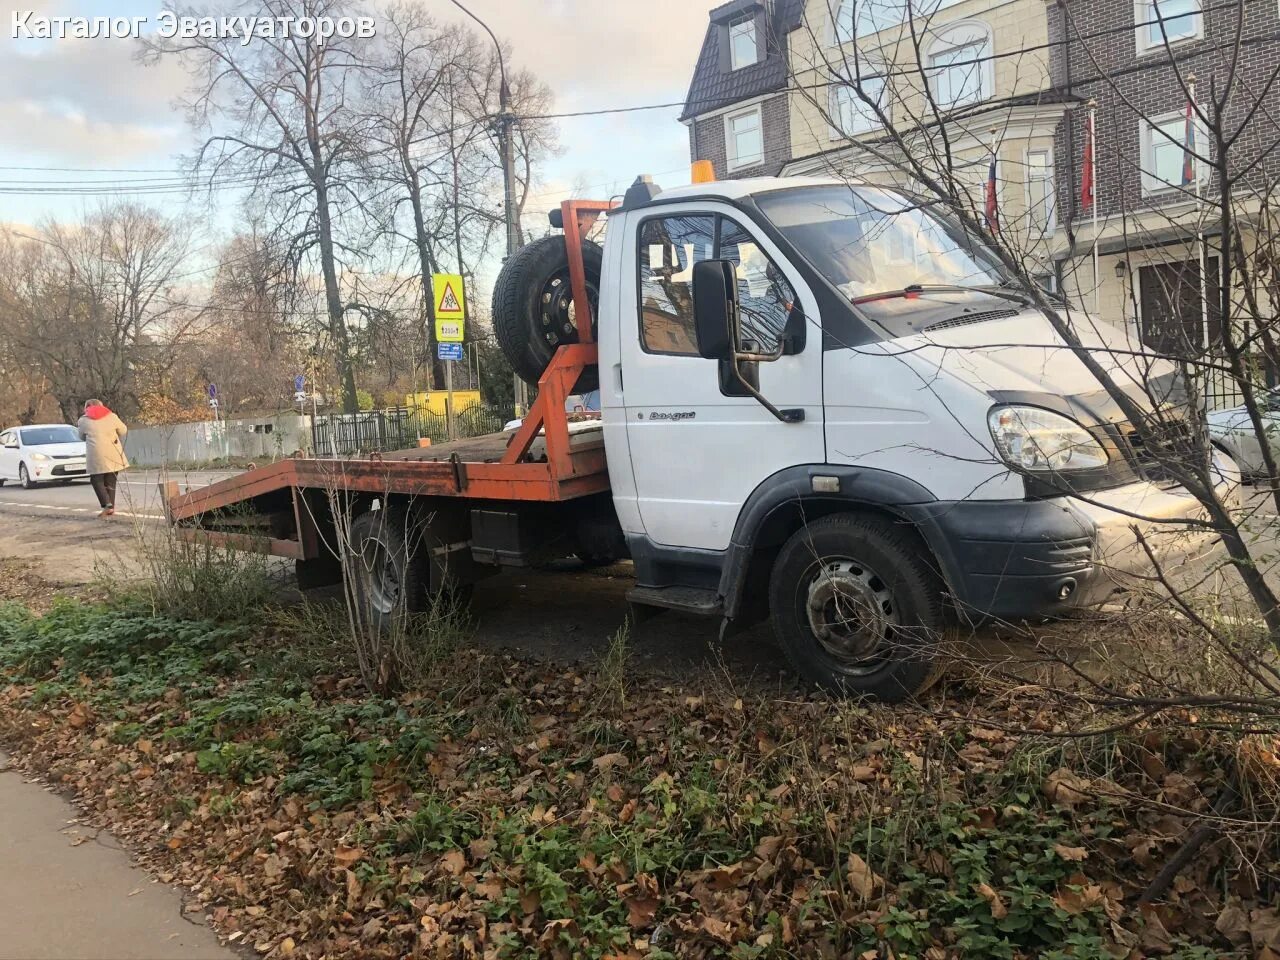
700	445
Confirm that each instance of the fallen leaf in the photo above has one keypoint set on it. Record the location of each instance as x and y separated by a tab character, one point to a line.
1264	928
717	929
862	879
998	909
1233	923
1074	854
608	761
347	856
453	862
1065	788
641	911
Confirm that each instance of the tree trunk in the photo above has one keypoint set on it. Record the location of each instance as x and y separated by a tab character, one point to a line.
333	299
427	267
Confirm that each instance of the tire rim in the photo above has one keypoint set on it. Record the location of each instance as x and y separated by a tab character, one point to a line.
557	314
381	577
851	613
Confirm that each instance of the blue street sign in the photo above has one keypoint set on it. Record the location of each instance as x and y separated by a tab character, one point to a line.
213	391
449	351
299	383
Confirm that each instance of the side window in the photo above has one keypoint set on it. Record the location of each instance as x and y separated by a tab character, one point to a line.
669	247
765	296
6	438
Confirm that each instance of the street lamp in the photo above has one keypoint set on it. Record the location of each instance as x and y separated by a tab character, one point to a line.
505	121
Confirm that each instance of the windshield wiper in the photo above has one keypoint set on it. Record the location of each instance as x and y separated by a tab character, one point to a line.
917	290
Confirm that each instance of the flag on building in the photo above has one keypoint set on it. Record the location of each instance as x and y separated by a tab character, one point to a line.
1086	173
1189	148
993	202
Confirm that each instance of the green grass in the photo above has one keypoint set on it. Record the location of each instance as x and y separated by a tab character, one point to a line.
720	828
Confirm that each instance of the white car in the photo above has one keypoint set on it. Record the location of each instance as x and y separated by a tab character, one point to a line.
42	453
1232	431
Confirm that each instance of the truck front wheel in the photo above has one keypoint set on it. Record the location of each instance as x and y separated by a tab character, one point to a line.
857	608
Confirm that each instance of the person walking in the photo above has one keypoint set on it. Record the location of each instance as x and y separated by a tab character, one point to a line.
102	432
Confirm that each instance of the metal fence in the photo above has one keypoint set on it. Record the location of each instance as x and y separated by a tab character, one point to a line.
398	428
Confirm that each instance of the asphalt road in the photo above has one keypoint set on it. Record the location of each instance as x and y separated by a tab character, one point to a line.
137	494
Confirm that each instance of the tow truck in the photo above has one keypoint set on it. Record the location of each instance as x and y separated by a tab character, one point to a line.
823	404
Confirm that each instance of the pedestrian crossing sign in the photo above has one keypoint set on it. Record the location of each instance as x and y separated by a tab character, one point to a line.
451	307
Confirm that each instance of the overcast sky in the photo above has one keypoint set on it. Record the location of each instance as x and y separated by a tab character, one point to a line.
87	104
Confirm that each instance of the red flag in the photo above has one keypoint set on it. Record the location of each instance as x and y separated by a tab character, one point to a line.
993	203
1086	175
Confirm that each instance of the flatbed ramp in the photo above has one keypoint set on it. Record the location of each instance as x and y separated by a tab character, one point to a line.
282	508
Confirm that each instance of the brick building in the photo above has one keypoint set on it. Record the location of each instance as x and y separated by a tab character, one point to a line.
737	109
1134	59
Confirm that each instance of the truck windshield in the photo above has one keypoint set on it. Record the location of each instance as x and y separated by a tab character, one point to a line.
869	241
34	436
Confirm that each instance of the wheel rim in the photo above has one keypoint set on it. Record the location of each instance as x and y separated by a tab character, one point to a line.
23	475
383	586
557	313
851	612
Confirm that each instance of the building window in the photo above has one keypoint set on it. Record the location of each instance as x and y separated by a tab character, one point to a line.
1042	202
743	51
850	113
862	18
1165	156
744	138
1167	21
959	62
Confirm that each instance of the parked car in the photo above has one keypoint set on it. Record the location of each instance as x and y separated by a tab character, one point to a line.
1232	432
41	453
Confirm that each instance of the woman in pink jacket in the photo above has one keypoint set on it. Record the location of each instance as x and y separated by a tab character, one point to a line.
103	432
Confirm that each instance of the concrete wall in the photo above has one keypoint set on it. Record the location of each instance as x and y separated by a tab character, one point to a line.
263	438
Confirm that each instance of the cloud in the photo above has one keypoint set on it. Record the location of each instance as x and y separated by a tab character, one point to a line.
86	100
602	54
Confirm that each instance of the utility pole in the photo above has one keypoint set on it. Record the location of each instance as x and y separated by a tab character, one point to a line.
504	124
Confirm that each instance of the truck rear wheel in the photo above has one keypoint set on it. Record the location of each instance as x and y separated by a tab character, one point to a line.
857	608
533	311
387	579
395	567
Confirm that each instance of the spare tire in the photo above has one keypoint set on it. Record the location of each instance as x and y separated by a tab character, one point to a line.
533	310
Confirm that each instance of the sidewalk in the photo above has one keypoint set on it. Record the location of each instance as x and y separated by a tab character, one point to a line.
68	893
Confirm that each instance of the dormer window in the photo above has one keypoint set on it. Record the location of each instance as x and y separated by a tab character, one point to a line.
743	50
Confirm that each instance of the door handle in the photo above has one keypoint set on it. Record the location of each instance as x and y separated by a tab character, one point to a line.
617	377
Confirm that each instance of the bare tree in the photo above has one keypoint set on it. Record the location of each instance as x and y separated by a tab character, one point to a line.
275	113
93	307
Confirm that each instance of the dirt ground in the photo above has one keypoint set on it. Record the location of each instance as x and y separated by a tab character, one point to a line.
565	614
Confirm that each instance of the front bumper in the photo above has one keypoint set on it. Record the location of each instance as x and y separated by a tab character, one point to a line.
58	470
1029	559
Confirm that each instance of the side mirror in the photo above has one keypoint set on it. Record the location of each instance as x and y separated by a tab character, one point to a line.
715	304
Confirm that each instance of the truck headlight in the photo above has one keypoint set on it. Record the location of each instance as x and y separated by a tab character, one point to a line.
1041	441
39	456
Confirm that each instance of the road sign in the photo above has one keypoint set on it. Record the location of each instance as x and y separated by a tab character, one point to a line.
451	307
299	383
449	351
213	391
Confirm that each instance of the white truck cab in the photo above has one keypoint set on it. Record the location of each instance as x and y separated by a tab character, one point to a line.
910	433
